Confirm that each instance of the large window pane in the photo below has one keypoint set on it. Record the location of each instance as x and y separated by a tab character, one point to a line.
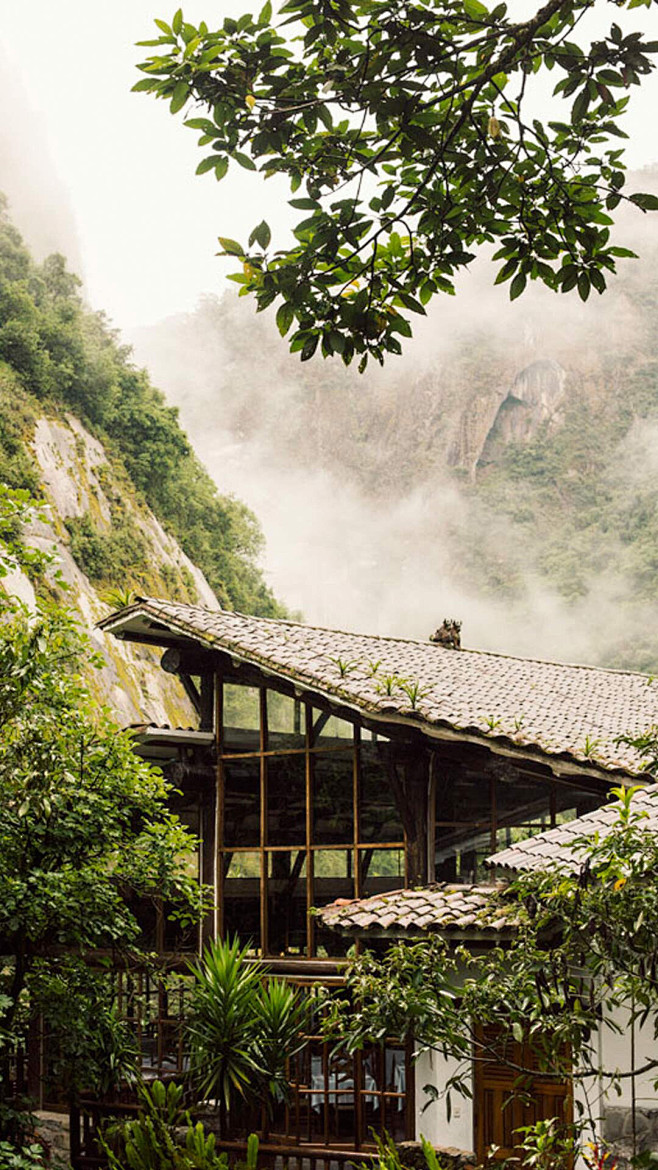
462	795
240	719
379	816
286	800
286	903
241	802
241	901
381	870
333	878
461	851
330	731
285	722
333	798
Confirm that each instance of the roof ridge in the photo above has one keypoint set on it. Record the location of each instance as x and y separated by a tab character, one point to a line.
406	641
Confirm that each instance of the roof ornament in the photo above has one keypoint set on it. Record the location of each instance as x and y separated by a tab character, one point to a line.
448	634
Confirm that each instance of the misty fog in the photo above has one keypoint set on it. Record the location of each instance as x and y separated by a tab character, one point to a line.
366	487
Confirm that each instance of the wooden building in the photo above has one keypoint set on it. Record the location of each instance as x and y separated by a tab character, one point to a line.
334	766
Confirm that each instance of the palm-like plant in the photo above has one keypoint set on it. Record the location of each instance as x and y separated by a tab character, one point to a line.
223	1028
282	1020
243	1028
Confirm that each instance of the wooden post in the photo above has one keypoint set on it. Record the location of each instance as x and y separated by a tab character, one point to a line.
416	786
208	851
409	776
207	702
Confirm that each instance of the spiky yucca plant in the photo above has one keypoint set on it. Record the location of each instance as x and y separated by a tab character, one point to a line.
243	1028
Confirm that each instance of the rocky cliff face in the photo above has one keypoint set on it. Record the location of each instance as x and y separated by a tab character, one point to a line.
80	485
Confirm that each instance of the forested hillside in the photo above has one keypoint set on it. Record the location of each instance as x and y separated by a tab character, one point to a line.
57	359
505	469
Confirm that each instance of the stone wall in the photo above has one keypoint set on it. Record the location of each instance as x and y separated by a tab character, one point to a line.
449	1157
621	1135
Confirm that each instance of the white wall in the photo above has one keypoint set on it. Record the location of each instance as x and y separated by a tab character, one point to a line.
434	1069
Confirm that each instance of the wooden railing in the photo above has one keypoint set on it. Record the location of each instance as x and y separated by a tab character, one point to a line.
90	1116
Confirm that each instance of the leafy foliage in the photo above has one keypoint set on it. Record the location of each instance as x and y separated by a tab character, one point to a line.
151	1141
84	830
243	1028
409	129
585	943
65	357
107	556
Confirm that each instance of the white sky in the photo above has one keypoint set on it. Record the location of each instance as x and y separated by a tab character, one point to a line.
146	226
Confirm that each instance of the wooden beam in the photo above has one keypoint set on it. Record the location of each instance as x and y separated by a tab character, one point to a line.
178	660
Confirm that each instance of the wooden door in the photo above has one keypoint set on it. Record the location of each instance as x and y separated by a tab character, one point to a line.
505	1099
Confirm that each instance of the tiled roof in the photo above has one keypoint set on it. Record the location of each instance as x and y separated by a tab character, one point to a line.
442	907
554	848
577	712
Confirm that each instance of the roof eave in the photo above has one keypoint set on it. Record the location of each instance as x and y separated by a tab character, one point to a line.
560	763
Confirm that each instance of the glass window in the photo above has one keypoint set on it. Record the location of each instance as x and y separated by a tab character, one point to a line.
241	780
286	800
329	731
462	795
241	900
240	718
285	722
333	875
286	903
379	816
461	851
333	799
381	870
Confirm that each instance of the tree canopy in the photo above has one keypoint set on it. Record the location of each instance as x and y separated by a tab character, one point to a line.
85	831
409	132
585	948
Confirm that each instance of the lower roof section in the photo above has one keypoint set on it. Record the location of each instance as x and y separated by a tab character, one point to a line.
461	911
557	849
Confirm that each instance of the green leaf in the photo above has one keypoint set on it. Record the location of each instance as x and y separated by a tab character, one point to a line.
180	96
265	14
411	303
645	201
305	204
244	160
231	247
261	235
475	10
309	348
177	22
517	286
144	85
221	168
284	318
517	1032
583	286
206	164
580	106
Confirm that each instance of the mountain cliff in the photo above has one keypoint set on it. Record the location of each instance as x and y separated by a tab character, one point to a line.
129	507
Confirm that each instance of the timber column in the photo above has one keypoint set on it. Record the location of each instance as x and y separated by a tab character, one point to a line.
408	767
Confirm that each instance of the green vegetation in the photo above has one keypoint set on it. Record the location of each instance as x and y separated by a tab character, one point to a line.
85	832
243	1029
57	356
412	139
107	556
584	947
